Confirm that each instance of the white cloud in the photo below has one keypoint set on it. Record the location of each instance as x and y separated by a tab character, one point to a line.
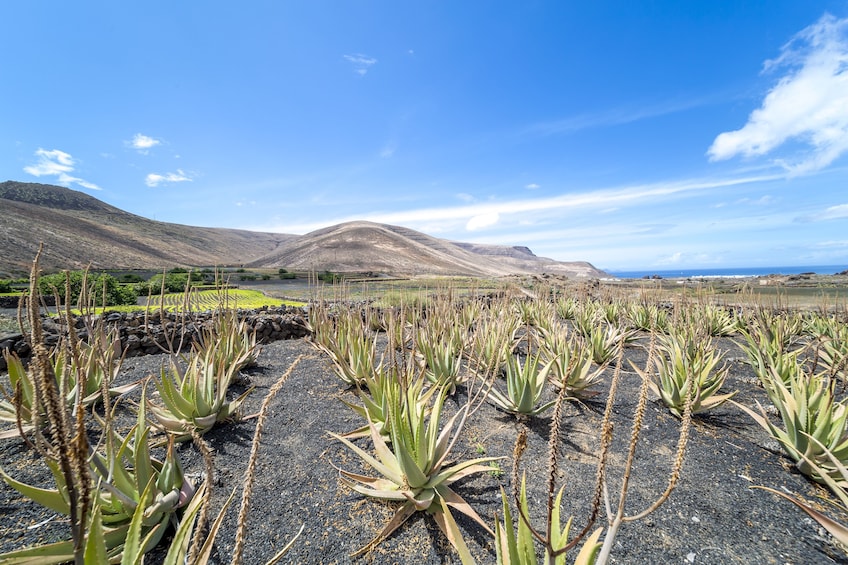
809	104
52	162
762	201
465	197
674	259
155	179
483	221
361	63
143	143
531	210
531	186
835	212
55	162
86	184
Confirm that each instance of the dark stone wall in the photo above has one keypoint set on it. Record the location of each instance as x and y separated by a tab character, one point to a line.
144	335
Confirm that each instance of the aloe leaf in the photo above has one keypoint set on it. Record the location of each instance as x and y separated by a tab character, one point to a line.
413	474
837	530
526	551
49	498
559	537
422	500
95	543
447	524
382	494
591	547
143	466
388	472
377	483
461	470
452	499
13	433
182	537
132	545
170	393
505	541
48	554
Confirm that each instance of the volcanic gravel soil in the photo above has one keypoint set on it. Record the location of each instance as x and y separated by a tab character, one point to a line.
712	517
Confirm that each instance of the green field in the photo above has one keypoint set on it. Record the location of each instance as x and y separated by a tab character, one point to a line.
199	301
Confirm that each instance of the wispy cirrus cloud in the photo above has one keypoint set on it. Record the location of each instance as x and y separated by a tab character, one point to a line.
835	212
472	215
611	117
361	63
833	244
143	143
482	221
156	179
54	162
809	104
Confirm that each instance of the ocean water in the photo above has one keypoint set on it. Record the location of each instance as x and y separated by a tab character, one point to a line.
729	273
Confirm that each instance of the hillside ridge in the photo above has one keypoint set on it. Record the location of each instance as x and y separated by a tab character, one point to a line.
79	230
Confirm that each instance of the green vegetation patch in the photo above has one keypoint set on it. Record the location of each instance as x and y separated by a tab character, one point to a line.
199	301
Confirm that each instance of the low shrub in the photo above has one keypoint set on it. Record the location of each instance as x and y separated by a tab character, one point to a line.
173	282
98	288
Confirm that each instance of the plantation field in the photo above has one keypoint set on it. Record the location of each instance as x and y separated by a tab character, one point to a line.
199	301
465	391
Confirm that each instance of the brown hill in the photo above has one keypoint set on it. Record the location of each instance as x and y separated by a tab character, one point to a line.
78	230
367	246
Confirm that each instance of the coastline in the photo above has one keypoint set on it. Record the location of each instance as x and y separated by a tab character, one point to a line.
728	273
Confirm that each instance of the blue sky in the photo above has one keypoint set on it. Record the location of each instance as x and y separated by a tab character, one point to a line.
634	135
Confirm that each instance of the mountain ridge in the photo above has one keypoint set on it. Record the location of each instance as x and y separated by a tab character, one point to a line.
79	230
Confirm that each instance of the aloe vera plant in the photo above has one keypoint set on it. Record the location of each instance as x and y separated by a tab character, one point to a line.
414	471
94	365
232	340
137	498
492	342
688	367
605	341
525	384
769	358
571	364
349	347
831	346
442	363
386	388
648	317
815	424
566	307
514	545
716	321
195	398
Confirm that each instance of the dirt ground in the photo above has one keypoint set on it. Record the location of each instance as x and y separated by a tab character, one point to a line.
713	517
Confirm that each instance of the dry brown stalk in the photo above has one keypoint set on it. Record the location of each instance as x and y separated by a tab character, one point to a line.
617	519
209	465
251	464
68	445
